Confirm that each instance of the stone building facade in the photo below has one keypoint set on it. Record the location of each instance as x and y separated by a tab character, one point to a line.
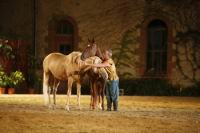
149	38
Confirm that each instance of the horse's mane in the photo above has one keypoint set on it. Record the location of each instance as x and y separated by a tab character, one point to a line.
76	56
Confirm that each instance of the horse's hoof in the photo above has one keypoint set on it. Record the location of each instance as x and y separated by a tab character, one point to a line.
91	108
54	107
67	108
100	107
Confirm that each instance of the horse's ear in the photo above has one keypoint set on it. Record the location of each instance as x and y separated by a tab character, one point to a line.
93	41
89	40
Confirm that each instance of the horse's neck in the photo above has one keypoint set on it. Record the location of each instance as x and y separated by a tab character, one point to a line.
99	53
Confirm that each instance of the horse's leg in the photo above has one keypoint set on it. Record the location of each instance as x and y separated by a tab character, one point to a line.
54	92
91	95
99	95
55	87
78	85
49	96
50	88
95	95
99	101
70	82
46	87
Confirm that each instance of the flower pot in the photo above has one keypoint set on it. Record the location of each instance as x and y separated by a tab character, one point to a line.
11	90
31	91
2	90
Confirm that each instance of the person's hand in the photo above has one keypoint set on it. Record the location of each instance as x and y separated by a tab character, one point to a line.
80	63
86	64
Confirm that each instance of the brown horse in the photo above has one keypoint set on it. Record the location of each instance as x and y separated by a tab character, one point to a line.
97	83
91	50
59	67
97	90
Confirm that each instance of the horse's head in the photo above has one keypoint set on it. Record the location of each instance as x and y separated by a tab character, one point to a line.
99	71
91	50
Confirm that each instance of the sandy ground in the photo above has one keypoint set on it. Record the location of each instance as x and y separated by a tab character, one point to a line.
26	114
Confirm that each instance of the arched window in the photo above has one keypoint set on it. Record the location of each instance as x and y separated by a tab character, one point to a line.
62	34
156	56
64	27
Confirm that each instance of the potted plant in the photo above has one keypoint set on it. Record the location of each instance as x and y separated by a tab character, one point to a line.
3	81
6	55
14	81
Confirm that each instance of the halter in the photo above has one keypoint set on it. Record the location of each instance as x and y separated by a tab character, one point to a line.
82	57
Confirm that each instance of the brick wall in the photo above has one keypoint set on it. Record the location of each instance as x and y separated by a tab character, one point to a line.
109	22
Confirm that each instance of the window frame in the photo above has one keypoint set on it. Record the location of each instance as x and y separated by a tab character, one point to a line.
156	53
143	47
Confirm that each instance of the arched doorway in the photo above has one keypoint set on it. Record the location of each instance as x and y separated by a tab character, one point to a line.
156	53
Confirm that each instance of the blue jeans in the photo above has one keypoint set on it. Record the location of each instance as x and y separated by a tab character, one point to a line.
112	93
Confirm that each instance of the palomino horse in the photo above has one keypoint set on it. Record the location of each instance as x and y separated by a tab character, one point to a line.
57	67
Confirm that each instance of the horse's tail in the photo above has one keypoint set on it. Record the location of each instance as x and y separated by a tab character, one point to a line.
45	87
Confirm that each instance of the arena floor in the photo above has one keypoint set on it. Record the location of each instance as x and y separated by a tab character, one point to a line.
26	114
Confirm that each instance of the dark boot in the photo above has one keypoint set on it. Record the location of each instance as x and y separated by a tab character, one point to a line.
115	105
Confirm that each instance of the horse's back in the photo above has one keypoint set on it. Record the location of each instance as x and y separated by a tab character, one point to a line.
53	58
57	57
60	65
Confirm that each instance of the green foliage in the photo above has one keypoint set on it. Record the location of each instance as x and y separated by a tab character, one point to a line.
148	87
191	91
15	79
6	50
157	87
123	51
3	78
124	55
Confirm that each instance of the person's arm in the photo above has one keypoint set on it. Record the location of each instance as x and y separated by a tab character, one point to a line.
104	64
